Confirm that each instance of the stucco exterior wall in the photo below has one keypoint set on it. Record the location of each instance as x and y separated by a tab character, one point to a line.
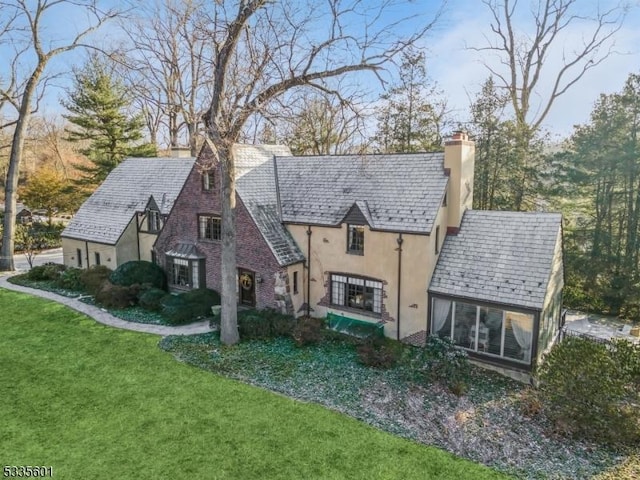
552	309
127	246
379	262
70	247
147	240
459	158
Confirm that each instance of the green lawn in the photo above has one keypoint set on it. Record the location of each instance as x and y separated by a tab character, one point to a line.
95	402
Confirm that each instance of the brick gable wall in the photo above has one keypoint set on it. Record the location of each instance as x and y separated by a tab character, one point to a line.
252	252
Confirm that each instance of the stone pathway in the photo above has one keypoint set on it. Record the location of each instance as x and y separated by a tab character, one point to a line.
104	317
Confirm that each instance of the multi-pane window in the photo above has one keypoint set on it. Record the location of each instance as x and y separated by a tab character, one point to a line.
180	272
207	181
97	258
295	283
486	330
209	227
355	239
186	273
153	220
356	292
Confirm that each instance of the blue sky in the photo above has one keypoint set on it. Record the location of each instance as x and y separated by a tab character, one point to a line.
458	70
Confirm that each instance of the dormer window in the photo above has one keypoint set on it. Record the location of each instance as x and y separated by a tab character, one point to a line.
153	220
355	239
207	181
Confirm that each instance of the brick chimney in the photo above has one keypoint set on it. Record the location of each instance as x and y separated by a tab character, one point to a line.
459	160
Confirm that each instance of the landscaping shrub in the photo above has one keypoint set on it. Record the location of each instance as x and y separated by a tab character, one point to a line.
440	360
201	300
264	324
282	325
47	272
379	352
70	279
252	325
116	296
176	309
308	330
139	272
151	298
590	390
93	278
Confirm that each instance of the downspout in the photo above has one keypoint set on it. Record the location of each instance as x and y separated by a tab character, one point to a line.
308	271
399	240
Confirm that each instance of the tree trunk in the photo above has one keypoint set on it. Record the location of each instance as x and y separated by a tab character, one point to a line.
229	322
13	173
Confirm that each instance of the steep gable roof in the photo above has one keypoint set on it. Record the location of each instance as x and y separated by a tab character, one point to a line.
499	257
396	192
104	216
257	190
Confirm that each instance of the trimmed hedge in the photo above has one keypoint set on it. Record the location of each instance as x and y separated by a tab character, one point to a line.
264	324
140	272
201	300
46	272
176	309
151	299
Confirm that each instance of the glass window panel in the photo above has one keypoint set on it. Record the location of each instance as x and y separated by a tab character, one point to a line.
441	317
518	336
337	292
491	318
464	320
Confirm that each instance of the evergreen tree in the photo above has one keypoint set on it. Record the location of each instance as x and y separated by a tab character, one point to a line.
413	113
601	168
97	107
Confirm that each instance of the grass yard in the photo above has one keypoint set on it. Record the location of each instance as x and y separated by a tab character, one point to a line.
94	402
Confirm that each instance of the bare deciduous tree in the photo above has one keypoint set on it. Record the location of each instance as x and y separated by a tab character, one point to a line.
167	66
264	50
525	59
23	27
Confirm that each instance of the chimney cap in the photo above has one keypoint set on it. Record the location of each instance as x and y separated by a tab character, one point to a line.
460	135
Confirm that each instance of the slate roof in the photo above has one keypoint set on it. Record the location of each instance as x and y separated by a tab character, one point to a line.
248	157
396	192
257	190
104	216
499	257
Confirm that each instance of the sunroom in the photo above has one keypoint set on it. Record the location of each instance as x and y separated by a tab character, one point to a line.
497	287
494	332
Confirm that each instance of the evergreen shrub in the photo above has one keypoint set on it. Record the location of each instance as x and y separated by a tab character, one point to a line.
140	272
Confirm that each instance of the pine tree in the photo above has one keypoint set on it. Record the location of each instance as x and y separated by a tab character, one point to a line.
413	113
97	107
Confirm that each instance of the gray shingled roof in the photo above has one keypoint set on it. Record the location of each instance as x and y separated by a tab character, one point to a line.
499	257
248	157
257	189
399	192
108	211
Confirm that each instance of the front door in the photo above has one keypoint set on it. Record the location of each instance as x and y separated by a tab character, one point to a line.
247	287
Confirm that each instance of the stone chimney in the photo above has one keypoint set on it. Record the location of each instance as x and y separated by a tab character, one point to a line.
459	160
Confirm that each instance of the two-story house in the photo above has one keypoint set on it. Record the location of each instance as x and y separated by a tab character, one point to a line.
385	239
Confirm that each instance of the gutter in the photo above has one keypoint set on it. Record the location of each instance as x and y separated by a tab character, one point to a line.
308	313
399	240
